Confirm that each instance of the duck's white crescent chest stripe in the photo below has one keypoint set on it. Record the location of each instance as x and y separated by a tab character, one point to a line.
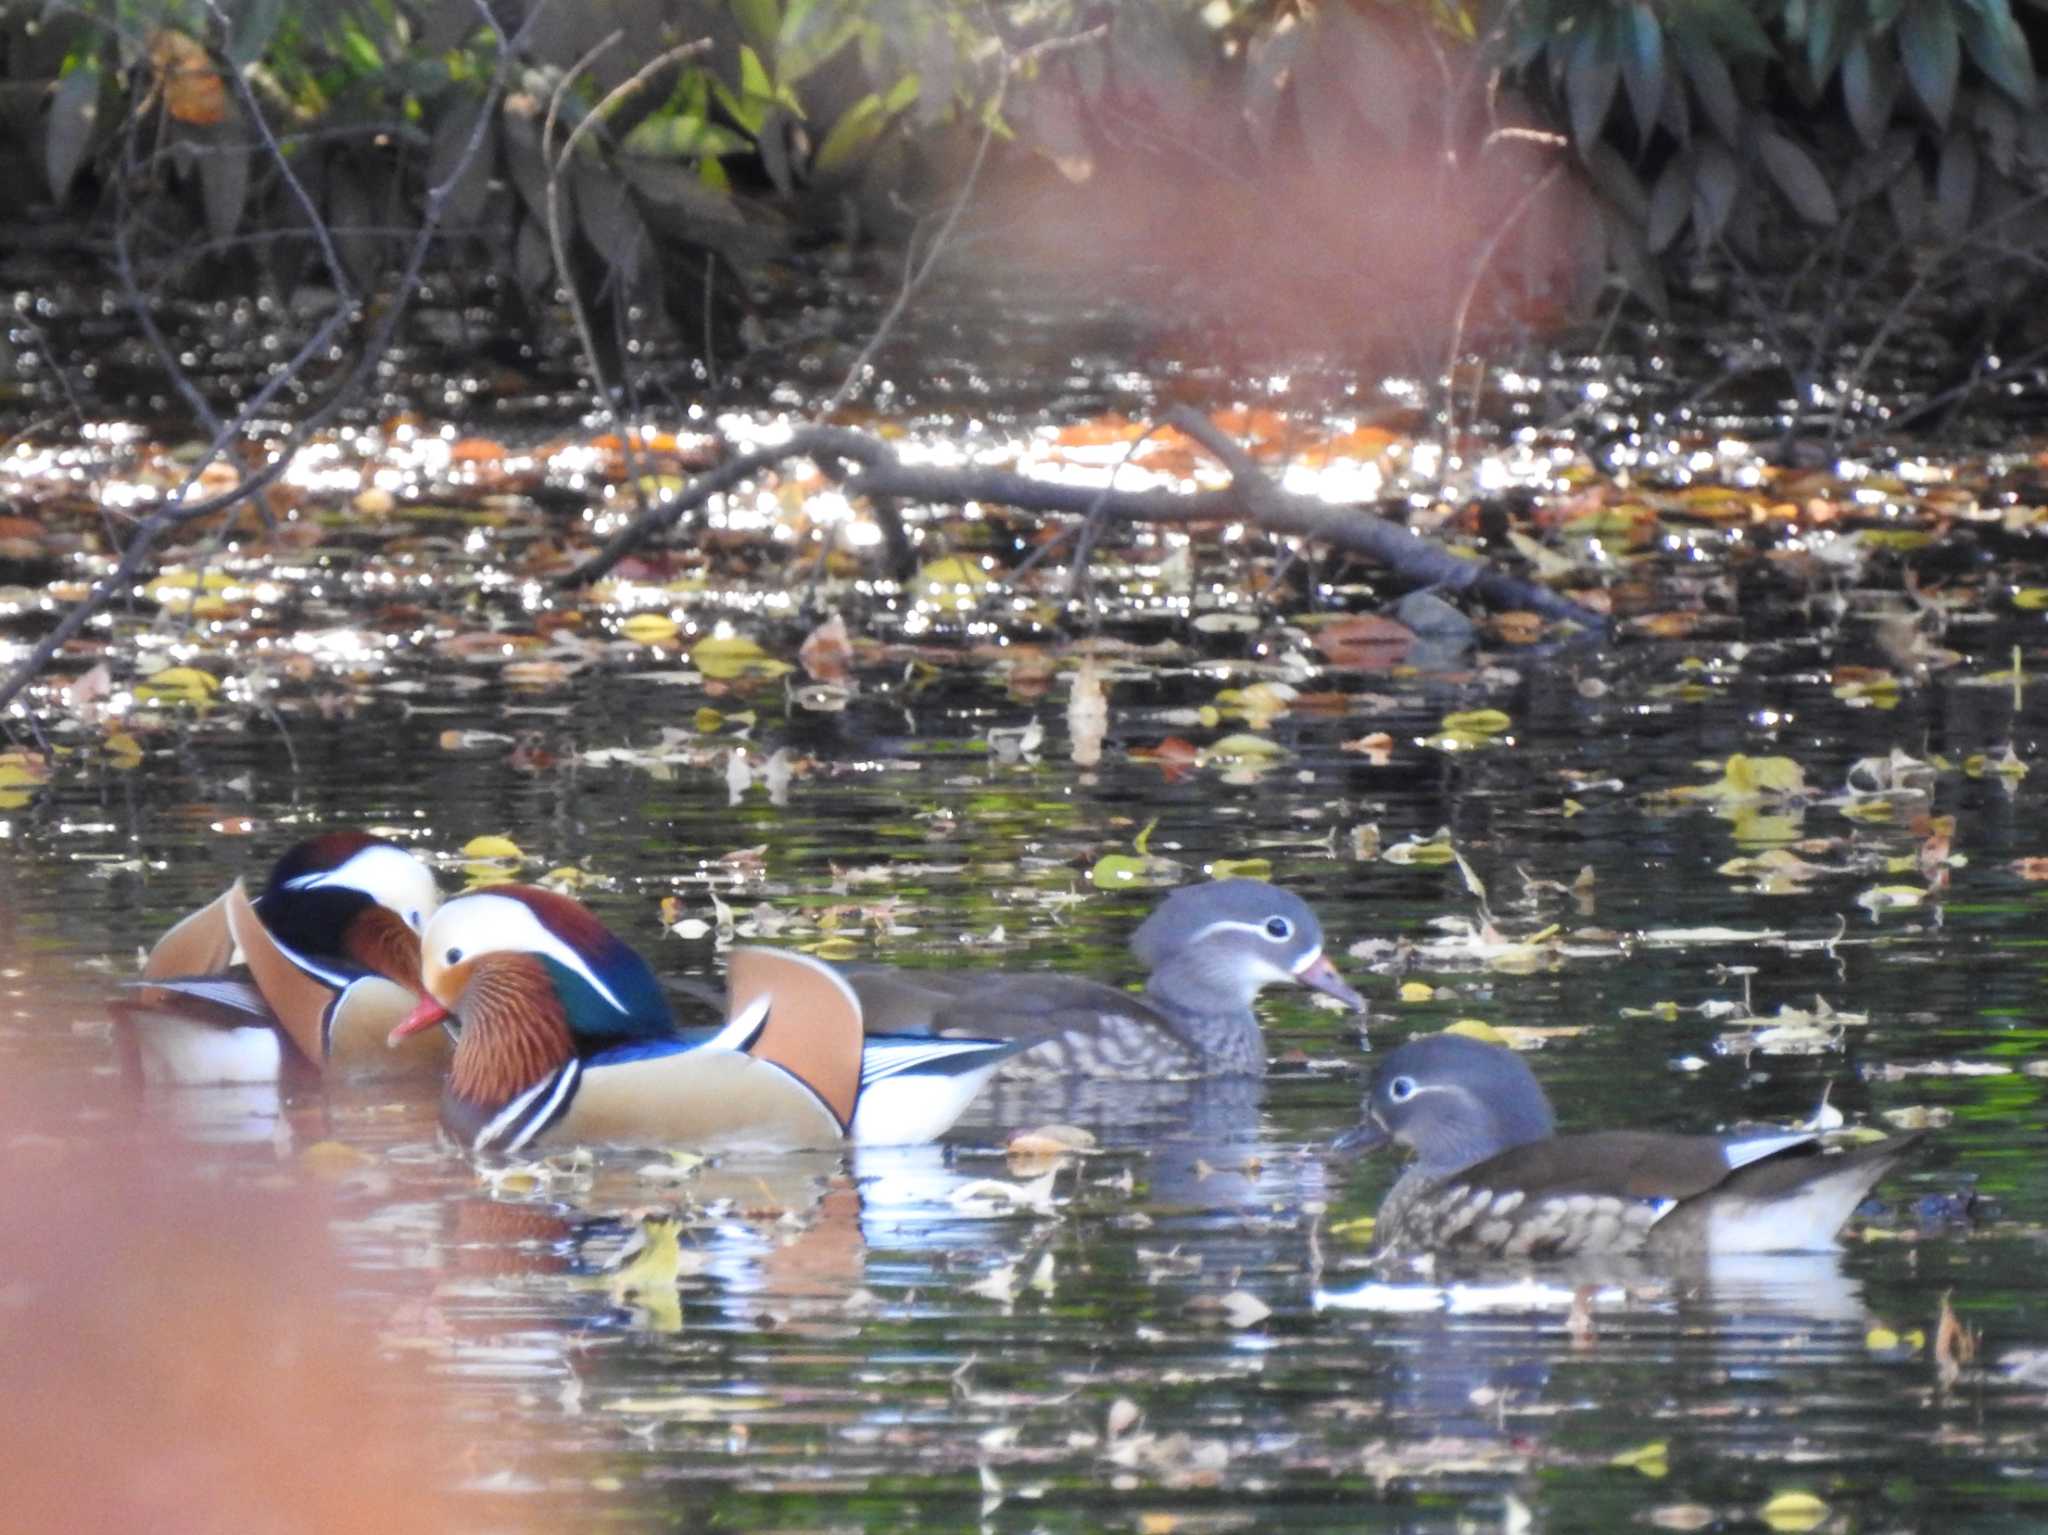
530	1113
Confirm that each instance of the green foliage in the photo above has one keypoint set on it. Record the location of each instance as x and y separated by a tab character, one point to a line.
377	106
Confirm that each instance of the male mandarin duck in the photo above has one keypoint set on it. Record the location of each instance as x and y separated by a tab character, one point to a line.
327	957
565	1036
1210	949
1493	1179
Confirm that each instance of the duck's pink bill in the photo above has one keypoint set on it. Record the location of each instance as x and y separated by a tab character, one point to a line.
1323	976
425	1016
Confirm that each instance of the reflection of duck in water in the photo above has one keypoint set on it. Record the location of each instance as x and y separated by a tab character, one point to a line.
1492	1179
327	958
567	1037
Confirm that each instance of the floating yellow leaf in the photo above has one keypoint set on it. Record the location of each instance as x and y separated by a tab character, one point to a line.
1652	1459
724	657
1241	868
492	847
2031	598
1125	871
954	582
1358	1229
332	1159
1479	1029
1478	722
1791	1513
649	628
178	685
1426	853
1880	898
1416	991
1748	778
1243	747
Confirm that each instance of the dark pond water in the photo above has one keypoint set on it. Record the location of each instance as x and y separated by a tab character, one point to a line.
1182	1332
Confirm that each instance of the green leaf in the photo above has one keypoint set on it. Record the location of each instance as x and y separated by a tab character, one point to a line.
224	181
1716	180
1955	184
1592	71
760	21
1731	23
681	136
1711	82
1999	48
1870	87
1822	42
74	111
1931	52
806	44
902	94
1642	65
1792	168
857	128
755	81
1670	202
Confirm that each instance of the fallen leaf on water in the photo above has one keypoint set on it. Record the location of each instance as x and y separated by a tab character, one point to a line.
1790	1513
1050	1140
689	1404
1035	1195
333	1159
649	628
1652	1459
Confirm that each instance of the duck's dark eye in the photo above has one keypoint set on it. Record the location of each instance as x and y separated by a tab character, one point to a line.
1279	927
455	956
1401	1089
412	919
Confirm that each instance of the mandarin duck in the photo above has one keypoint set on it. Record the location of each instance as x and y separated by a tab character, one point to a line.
326	957
565	1036
1209	949
1492	1178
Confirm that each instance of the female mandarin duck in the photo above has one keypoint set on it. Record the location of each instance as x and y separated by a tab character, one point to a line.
1491	1177
565	1036
328	957
1210	949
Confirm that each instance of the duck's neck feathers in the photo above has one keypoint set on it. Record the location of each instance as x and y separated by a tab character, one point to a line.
516	1032
1221	1029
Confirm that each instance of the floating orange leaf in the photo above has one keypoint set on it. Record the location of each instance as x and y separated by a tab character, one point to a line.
1366	641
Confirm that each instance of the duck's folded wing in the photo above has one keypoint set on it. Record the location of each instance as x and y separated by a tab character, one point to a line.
983	1004
708	1099
200	945
1633	1164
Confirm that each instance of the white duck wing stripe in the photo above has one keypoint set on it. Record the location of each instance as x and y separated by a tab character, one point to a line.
1742	1153
892	1058
737	1035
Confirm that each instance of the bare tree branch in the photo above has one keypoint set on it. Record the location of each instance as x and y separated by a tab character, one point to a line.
1250	497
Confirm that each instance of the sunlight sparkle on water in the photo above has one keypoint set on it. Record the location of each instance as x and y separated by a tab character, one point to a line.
1341	479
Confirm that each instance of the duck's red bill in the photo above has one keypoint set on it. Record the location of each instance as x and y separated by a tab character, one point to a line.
425	1016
